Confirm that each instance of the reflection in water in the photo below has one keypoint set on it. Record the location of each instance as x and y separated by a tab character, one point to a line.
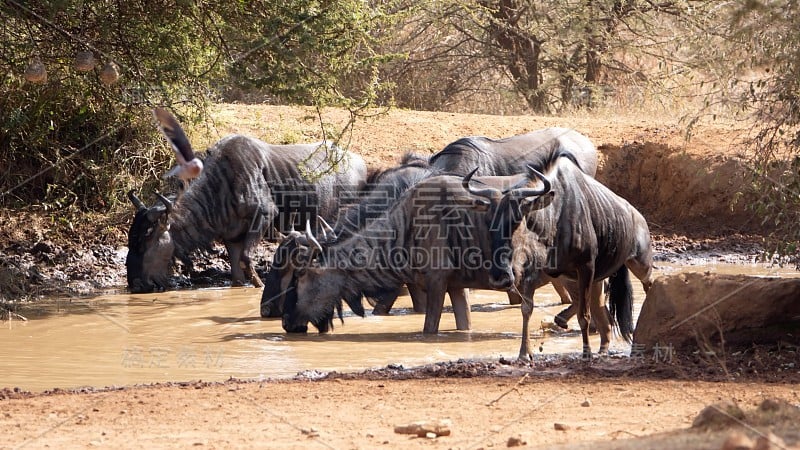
213	334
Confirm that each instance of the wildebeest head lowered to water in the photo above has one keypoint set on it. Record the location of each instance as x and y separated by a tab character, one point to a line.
246	188
382	190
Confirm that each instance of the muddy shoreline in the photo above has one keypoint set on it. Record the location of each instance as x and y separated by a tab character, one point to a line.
755	363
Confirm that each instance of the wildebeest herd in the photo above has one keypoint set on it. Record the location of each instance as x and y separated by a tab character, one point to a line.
511	214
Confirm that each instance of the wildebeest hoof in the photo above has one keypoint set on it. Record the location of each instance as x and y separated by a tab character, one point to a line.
380	310
561	322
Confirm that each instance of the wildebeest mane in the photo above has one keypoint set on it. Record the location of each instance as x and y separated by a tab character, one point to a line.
380	196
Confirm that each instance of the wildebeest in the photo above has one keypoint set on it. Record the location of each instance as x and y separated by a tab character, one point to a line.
383	189
573	227
492	157
510	156
434	237
247	186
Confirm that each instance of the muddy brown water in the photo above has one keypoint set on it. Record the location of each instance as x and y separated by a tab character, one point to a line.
214	334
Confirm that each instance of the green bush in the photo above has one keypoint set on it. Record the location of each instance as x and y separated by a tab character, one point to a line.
81	139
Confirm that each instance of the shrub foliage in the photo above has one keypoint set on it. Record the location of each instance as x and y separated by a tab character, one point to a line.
80	137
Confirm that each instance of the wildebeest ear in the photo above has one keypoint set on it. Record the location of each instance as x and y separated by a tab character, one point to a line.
534	203
354	301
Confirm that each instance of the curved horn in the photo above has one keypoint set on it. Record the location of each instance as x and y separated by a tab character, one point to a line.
528	192
166	202
135	200
485	192
311	237
328	227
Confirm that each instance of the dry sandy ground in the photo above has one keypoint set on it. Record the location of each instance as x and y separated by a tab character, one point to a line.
485	412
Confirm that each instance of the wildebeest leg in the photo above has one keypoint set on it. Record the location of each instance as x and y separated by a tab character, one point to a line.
383	306
419	298
460	301
562	318
435	302
600	316
585	279
235	253
562	292
250	271
526	300
571	288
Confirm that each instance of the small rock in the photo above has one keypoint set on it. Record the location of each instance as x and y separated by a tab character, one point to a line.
770	442
718	415
586	403
310	432
560	426
516	441
430	435
421	429
737	441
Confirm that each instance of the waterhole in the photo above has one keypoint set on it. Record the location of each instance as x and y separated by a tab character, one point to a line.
214	334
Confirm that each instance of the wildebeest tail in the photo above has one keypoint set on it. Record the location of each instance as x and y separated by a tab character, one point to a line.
621	302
